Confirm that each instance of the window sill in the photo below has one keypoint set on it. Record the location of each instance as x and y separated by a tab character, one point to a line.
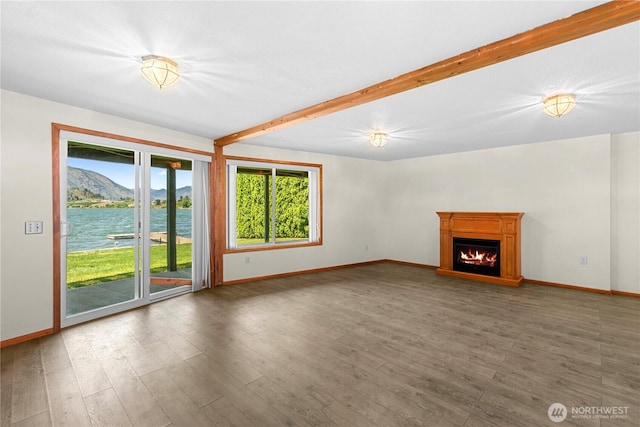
271	246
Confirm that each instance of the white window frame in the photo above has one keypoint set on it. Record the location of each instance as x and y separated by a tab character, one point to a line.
314	173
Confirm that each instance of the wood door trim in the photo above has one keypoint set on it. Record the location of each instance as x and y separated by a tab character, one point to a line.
62	127
219	199
585	23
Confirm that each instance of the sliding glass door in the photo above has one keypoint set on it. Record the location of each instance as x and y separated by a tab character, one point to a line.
170	251
101	242
129	231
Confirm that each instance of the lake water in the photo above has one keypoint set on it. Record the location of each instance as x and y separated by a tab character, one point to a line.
91	226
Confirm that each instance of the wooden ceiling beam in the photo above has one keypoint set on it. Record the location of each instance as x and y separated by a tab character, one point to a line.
588	22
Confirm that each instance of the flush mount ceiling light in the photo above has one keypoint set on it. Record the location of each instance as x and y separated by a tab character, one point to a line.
559	105
159	71
379	139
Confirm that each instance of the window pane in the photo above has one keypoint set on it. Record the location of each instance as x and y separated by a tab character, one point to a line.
292	205
253	206
271	205
171	222
100	253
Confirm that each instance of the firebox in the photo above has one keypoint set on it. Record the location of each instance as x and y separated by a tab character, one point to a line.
479	256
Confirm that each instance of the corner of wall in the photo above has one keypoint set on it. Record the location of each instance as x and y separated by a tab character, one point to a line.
625	212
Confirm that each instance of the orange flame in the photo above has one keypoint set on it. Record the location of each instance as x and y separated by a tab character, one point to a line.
479	258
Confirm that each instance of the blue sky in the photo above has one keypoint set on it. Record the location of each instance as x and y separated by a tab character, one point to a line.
123	174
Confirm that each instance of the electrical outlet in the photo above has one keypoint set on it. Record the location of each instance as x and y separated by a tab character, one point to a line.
582	260
247	260
33	227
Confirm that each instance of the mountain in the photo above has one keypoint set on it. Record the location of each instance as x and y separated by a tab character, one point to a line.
162	193
88	182
96	183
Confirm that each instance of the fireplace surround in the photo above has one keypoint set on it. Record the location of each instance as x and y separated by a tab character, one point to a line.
469	241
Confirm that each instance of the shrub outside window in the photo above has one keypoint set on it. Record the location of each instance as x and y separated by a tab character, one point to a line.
272	204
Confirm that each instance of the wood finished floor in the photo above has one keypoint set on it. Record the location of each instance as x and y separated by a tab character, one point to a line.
378	345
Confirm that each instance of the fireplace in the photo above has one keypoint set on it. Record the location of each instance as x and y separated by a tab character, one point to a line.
483	246
479	256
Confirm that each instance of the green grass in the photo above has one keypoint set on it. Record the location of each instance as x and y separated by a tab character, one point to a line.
105	265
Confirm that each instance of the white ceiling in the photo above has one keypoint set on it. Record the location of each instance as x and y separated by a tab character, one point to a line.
244	63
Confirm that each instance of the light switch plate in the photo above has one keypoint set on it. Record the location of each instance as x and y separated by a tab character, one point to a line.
33	227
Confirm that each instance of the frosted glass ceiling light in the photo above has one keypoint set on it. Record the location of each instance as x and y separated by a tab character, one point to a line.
159	71
559	105
379	139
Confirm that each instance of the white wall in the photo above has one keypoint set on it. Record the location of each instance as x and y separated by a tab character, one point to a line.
625	212
26	278
563	187
353	217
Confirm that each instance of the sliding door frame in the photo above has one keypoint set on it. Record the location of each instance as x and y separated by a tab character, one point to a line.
56	130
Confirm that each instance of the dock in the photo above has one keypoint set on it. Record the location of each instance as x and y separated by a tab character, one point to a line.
124	236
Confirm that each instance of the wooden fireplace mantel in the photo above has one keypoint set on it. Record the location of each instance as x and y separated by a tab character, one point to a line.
502	226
